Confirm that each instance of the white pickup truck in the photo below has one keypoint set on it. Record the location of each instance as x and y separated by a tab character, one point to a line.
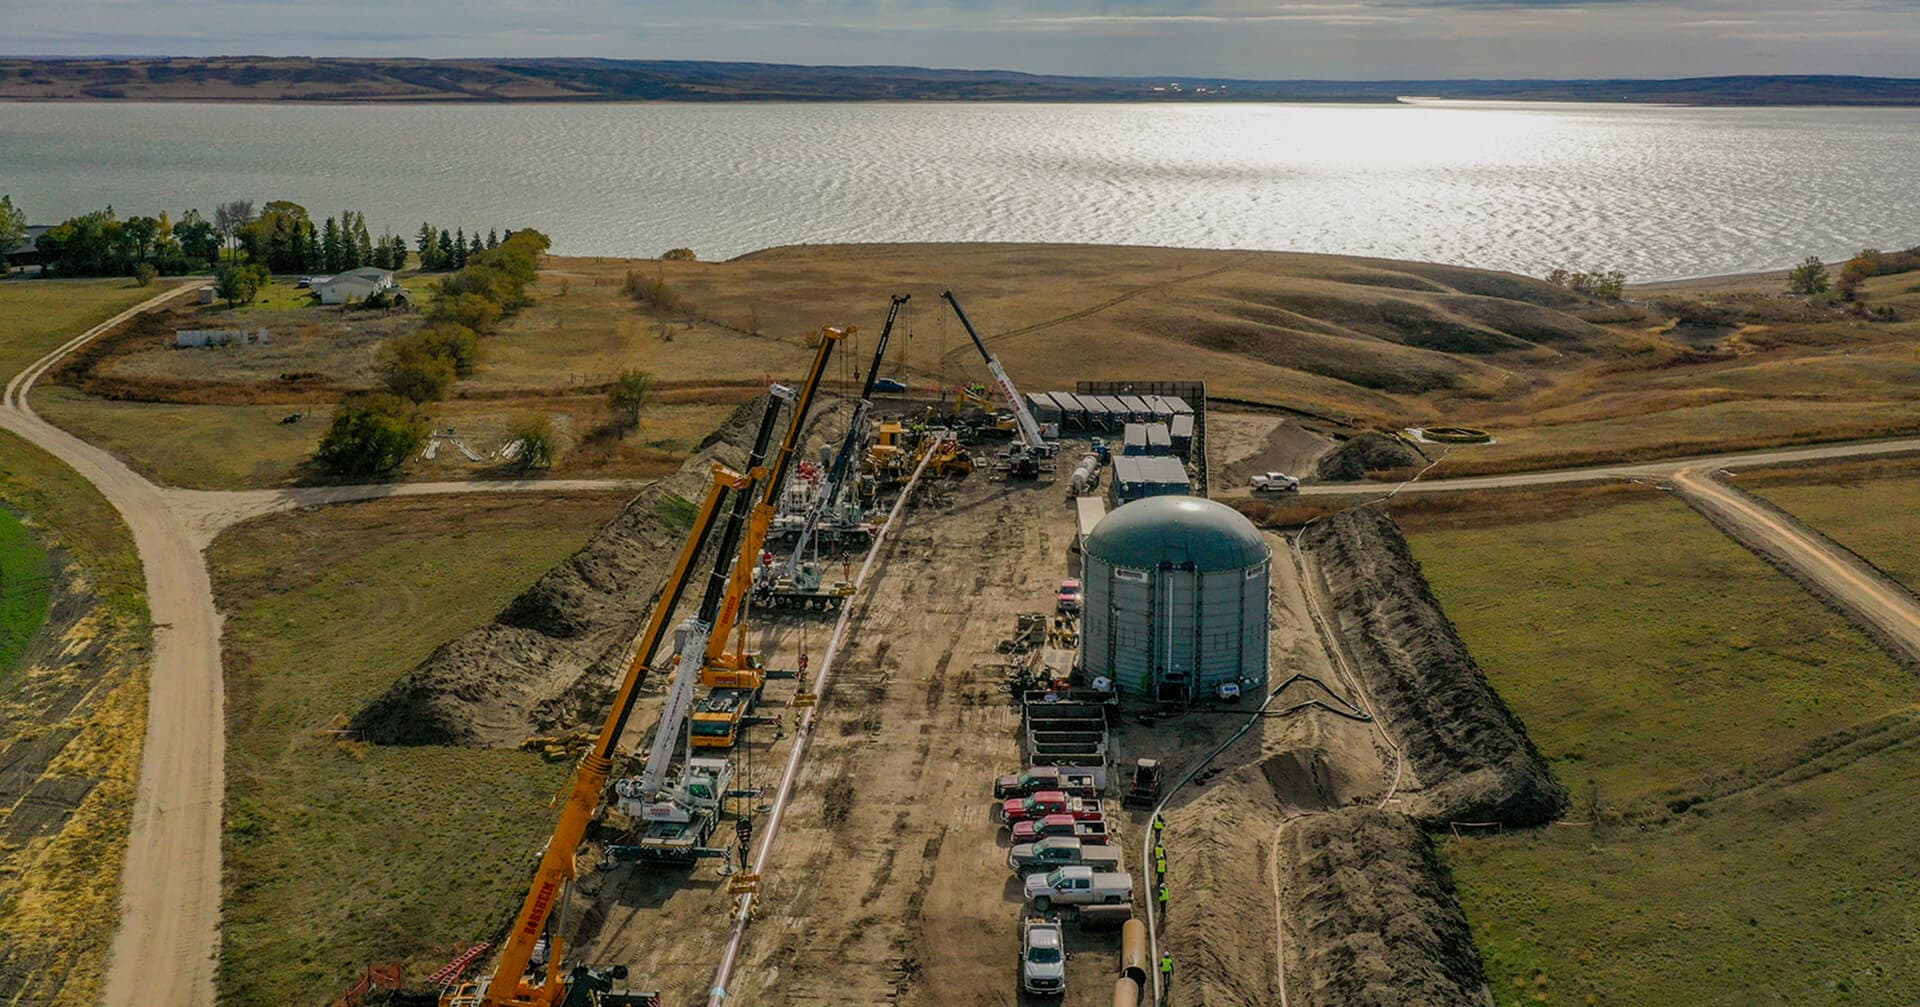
1274	482
1079	885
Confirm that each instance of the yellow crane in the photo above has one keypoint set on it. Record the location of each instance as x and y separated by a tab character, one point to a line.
737	668
508	986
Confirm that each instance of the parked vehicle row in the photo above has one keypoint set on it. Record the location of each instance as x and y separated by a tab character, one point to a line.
1061	853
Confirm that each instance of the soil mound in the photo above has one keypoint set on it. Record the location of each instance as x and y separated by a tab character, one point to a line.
1470	751
1373	917
1366	454
550	662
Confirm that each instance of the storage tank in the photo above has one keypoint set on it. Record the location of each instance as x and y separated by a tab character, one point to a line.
1176	599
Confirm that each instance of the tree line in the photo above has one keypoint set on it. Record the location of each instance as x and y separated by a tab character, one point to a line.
282	236
373	433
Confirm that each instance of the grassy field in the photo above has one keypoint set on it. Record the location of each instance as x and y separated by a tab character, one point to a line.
24	598
1751	843
340	855
1865	506
59	893
37	315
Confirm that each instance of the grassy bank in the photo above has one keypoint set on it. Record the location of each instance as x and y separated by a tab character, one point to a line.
340	854
1865	506
24	571
59	882
38	315
1711	712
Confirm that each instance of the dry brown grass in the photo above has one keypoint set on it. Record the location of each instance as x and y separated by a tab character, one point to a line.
1424	512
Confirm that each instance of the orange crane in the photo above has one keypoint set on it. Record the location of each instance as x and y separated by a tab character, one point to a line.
737	668
508	987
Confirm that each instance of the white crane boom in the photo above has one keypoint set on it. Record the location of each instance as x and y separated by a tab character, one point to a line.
1029	428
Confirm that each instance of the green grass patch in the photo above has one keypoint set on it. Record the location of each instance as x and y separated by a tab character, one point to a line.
340	854
1874	517
83	523
37	315
24	598
192	446
1648	654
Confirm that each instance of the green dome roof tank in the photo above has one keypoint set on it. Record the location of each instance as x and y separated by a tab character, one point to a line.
1177	531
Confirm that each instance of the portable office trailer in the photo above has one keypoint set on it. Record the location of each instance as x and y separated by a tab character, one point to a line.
1158	405
1180	431
1099	413
1139	477
1135	440
1121	414
1072	413
1137	408
1159	442
1178	405
1044	410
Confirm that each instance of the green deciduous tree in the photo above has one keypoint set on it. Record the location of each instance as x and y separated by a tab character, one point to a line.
414	372
13	229
1808	278
474	311
628	395
535	434
240	282
371	435
199	239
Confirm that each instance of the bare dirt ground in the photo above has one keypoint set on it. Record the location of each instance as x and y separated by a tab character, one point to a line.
890	883
1241	444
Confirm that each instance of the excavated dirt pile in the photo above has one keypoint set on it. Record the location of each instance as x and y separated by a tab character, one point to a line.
1373	918
1470	751
551	661
1366	454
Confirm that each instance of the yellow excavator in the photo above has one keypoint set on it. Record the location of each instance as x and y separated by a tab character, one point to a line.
581	986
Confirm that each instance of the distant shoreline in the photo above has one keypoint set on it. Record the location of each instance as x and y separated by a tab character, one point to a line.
256	79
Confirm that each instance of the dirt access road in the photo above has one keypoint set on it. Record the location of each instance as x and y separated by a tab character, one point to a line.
167	946
1869	596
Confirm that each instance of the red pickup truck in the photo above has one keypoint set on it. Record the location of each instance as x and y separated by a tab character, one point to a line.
1039	778
1087	830
1046	802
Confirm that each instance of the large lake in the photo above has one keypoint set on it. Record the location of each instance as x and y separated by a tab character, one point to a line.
1657	192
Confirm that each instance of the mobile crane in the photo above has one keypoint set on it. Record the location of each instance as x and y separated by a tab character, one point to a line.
1030	452
739	668
797	580
509	986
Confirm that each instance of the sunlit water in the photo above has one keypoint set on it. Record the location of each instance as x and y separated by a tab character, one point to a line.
1657	192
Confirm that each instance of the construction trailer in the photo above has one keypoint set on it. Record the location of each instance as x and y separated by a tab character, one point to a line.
1068	730
1073	415
1133	440
1180	433
1045	410
1159	441
1136	478
1176	399
1137	410
1088	510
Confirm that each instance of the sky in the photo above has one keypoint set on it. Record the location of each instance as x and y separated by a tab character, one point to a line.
1288	39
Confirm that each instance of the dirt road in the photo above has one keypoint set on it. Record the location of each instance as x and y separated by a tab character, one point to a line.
1868	595
166	947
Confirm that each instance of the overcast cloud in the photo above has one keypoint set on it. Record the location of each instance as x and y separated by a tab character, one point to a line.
1233	38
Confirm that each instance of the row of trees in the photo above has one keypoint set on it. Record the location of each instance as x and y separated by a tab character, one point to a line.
441	250
1607	286
1811	278
102	244
373	434
285	238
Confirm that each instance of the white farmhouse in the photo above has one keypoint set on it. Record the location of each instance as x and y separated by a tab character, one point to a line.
354	285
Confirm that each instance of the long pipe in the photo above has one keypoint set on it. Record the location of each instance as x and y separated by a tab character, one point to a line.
729	956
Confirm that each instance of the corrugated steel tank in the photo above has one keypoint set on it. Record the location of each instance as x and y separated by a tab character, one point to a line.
1176	599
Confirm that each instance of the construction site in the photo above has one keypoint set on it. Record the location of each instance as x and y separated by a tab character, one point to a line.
979	699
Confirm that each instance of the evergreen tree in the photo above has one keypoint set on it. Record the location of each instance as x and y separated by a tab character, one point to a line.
332	259
429	246
362	241
493	238
310	257
474	249
446	259
460	248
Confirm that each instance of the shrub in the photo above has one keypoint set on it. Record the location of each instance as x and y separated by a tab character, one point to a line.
679	255
1808	278
144	273
628	394
469	310
451	340
1607	286
240	283
535	434
371	435
654	293
414	372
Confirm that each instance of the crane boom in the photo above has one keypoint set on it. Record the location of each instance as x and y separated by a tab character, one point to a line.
835	484
728	620
507	988
1029	428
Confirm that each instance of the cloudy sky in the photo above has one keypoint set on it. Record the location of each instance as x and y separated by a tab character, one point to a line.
1353	39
